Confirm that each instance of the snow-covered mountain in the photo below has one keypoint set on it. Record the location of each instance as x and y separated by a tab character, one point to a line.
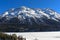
38	15
31	17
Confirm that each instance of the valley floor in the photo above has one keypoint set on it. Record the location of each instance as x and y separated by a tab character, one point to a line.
38	35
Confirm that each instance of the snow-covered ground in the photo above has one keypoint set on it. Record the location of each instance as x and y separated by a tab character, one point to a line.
39	35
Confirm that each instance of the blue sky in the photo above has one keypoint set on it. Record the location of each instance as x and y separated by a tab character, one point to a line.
7	4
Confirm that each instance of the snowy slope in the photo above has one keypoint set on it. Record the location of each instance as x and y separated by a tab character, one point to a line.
39	35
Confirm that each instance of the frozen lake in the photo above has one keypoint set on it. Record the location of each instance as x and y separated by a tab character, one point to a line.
39	35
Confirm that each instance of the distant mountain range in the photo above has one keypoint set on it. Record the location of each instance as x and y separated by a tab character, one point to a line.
26	19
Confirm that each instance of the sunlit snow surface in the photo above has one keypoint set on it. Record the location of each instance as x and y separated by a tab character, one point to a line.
39	35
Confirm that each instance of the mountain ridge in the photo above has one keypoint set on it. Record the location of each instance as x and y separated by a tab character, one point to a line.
28	18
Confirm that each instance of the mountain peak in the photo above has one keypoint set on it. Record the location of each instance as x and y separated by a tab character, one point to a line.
24	12
31	18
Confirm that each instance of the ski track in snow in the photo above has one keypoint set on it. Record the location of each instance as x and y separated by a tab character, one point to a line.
39	35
